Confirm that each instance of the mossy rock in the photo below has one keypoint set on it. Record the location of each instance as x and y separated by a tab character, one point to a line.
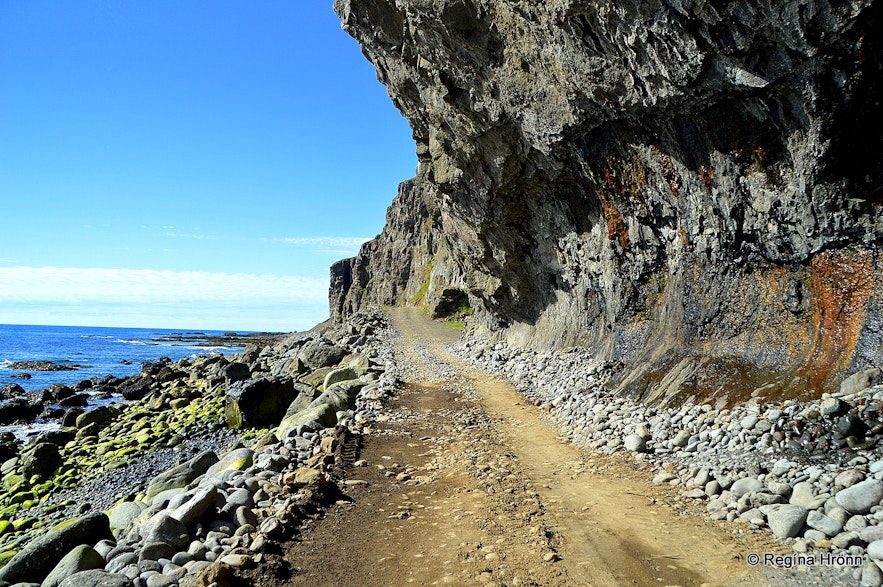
324	414
15	482
6	556
140	425
47	487
338	375
182	475
265	440
5	527
20	524
144	436
317	377
180	403
235	460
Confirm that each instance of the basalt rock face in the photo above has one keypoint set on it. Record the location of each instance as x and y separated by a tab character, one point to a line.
692	188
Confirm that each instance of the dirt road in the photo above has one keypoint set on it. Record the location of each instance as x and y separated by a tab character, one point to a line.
465	484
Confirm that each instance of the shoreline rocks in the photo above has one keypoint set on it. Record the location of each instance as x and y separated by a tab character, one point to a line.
215	509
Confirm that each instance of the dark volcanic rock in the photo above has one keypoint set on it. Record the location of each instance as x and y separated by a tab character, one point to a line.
10	391
78	400
259	402
9	445
59	392
235	372
43	366
41	459
19	410
135	387
70	417
685	187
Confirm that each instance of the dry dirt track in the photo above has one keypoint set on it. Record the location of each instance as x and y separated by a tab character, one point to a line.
466	484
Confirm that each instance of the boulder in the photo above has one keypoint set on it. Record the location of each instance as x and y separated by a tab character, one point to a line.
746	486
785	520
163	528
302	401
56	437
202	500
9	446
338	375
135	387
819	521
323	414
861	497
42	459
317	354
181	475
340	396
833	407
81	558
58	392
860	381
77	400
19	410
12	390
635	443
235	460
236	371
34	562
70	417
123	514
259	402
101	415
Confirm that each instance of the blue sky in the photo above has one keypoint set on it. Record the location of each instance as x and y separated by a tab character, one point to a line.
186	164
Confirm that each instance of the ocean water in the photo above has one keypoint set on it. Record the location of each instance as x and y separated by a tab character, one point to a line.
101	351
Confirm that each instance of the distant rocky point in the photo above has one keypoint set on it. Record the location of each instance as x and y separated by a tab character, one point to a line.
44	366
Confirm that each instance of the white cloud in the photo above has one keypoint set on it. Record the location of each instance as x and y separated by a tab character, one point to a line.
117	297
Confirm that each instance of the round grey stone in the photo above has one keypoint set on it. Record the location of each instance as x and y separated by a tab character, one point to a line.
861	497
745	486
786	520
823	523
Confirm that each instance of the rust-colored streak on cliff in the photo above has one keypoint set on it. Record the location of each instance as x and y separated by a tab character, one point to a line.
841	284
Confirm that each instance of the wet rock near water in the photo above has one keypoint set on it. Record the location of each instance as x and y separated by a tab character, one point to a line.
44	366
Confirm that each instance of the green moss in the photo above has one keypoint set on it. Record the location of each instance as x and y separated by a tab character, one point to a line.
23	523
6	556
424	286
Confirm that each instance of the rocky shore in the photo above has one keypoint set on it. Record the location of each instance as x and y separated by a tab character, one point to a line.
809	472
211	459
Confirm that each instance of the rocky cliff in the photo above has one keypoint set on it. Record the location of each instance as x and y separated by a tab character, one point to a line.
690	187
